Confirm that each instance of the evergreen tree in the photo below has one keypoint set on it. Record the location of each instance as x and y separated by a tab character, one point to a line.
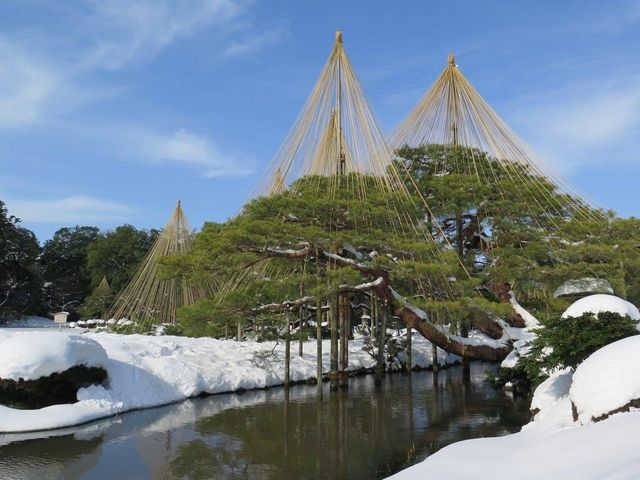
96	304
20	279
117	253
64	266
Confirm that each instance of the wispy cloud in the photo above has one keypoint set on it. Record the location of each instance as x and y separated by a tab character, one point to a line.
181	146
127	30
252	44
38	83
600	125
69	210
32	88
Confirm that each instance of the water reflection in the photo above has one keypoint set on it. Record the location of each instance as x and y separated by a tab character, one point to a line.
365	432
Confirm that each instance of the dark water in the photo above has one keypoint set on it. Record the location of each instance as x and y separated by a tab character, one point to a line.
367	432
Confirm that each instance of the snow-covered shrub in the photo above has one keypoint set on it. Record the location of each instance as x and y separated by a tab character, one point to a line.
607	382
565	342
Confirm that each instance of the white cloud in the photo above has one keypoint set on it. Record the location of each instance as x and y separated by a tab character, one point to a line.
130	29
33	89
25	86
181	146
253	44
598	125
68	210
39	82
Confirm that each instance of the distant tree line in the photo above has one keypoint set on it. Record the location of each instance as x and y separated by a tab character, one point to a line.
67	271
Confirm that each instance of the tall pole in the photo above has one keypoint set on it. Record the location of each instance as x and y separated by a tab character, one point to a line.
319	347
453	108
341	159
287	351
333	368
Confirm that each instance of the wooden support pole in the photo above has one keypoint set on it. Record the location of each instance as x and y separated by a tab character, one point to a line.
434	358
300	333
409	349
239	335
464	333
343	311
381	337
319	347
287	351
333	369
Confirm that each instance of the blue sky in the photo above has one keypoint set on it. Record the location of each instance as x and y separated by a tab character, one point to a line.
111	110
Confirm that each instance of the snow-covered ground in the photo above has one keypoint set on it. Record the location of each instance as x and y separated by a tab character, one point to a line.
553	446
146	371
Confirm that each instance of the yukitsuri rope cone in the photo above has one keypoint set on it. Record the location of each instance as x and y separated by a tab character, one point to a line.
335	134
147	299
453	114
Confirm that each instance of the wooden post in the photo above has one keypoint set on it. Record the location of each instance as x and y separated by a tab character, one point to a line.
374	318
381	337
239	336
319	347
434	358
301	342
343	312
287	351
333	369
464	333
302	318
409	349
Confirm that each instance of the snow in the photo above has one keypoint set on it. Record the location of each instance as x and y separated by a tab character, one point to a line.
31	355
529	320
609	379
553	445
551	391
602	303
147	371
606	449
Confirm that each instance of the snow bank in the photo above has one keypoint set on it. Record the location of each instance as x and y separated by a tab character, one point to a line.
551	391
602	303
606	449
31	355
147	371
609	379
553	445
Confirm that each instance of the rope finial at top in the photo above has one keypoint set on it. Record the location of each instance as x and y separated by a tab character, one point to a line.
338	36
451	58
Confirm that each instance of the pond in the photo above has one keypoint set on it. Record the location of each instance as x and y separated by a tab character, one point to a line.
366	432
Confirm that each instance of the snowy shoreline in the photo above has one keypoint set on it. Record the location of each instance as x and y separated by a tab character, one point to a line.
600	443
147	371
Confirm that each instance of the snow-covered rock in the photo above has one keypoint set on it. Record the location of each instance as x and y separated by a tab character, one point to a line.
608	380
31	355
602	303
583	286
